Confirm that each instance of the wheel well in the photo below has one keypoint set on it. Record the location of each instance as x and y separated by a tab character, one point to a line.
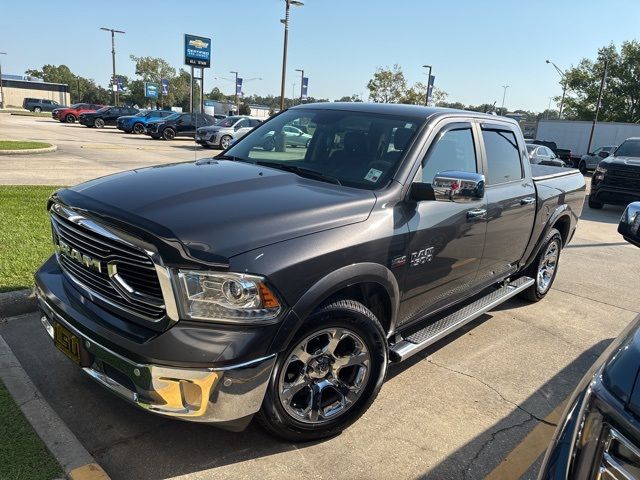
373	296
562	225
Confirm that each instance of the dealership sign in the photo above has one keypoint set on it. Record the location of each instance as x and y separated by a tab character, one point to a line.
151	90
197	51
165	87
304	93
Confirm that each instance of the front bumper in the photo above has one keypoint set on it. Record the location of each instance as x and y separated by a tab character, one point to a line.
616	195
227	395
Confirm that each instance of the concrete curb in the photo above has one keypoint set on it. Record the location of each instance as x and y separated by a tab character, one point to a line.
76	461
29	151
17	303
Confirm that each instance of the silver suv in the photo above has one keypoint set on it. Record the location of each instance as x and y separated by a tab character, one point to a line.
224	131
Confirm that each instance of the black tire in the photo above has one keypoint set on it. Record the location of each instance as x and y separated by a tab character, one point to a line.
98	123
168	133
37	109
225	141
537	291
583	168
345	314
70	118
269	144
138	128
595	204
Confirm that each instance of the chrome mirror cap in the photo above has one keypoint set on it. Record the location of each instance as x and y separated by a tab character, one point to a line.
457	186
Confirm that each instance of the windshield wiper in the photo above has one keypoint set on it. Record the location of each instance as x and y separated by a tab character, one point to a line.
303	172
231	157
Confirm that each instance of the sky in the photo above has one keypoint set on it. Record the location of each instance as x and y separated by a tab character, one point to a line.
474	46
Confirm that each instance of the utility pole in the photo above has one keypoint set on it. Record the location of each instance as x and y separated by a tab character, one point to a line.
235	92
563	75
504	94
426	100
301	82
285	21
114	82
2	102
595	120
293	94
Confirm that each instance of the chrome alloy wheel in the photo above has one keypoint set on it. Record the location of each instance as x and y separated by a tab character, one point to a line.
547	267
324	375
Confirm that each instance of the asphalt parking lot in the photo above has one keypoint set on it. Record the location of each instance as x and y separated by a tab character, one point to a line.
481	403
84	153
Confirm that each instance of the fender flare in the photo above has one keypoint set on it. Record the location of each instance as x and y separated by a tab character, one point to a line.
560	211
328	285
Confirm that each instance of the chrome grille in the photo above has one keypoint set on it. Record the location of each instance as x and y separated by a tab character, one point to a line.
624	178
126	279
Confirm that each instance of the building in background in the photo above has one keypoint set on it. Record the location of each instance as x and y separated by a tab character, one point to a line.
259	111
18	87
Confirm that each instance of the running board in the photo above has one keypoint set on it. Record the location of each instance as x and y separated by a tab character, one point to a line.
441	328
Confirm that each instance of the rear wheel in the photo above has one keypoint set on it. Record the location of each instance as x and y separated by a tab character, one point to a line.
225	141
329	375
70	118
99	123
138	128
168	133
544	268
37	109
583	168
594	203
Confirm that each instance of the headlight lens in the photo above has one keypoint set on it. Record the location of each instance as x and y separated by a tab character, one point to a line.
226	297
600	172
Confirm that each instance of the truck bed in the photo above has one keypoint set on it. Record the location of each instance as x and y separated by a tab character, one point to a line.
543	172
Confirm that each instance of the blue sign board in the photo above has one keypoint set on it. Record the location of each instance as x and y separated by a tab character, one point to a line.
239	87
165	87
151	90
197	51
305	88
432	79
120	84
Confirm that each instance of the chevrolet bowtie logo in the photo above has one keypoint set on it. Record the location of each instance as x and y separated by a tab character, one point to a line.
63	248
198	43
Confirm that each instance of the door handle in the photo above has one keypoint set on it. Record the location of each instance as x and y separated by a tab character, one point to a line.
476	213
527	201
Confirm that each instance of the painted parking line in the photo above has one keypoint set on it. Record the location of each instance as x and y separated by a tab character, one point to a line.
125	147
529	450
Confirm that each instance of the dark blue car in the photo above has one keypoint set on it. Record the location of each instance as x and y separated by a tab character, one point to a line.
137	123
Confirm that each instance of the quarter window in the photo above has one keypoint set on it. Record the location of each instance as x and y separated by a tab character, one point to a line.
453	150
503	156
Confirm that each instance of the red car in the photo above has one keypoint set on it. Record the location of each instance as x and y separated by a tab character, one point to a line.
71	114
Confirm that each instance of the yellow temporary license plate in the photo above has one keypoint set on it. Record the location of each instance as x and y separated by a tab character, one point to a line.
66	342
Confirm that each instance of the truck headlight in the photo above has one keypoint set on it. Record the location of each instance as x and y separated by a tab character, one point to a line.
600	173
226	297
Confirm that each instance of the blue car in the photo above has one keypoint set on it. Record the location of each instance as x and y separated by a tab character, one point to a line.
137	123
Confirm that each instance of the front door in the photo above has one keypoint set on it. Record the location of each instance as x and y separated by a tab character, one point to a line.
511	201
445	244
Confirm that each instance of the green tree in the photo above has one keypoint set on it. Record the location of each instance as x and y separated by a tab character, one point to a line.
388	85
350	98
81	89
216	94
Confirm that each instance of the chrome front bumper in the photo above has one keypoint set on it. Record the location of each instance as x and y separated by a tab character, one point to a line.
213	395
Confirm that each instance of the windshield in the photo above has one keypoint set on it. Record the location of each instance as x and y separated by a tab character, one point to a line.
351	148
76	105
103	109
227	122
173	116
629	148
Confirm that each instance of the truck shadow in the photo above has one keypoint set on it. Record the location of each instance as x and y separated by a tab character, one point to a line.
607	214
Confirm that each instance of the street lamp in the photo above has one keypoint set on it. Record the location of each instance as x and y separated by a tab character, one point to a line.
114	83
564	84
235	90
504	94
301	82
1	90
426	100
285	21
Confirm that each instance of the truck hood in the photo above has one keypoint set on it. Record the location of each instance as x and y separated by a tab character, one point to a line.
635	161
220	208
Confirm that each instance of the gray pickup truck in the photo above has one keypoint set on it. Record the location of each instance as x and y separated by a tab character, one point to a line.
282	280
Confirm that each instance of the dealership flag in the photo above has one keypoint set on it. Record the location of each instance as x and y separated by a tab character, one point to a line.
305	88
119	84
432	79
239	87
165	87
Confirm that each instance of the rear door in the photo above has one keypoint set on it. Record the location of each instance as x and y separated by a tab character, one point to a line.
185	125
445	244
511	200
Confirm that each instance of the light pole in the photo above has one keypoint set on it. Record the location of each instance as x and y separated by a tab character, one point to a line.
114	83
426	100
1	90
235	90
301	82
595	120
504	94
285	21
564	84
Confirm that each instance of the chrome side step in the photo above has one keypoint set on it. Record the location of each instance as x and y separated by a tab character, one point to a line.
441	328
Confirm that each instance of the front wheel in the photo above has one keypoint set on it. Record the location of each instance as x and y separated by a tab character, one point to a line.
225	141
70	118
328	376
168	133
583	168
99	123
138	128
37	109
544	268
594	203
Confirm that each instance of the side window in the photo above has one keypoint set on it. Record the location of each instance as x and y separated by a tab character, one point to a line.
453	150
242	124
503	156
255	123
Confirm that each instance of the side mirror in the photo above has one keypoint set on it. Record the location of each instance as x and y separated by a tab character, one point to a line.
629	226
603	154
460	187
419	192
